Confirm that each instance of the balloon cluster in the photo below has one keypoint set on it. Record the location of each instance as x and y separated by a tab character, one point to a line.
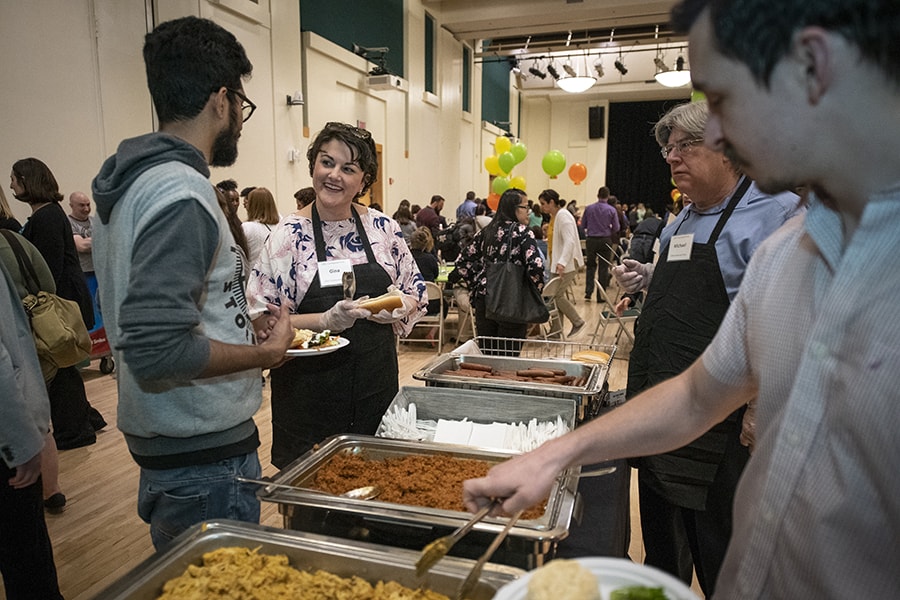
554	162
508	154
500	164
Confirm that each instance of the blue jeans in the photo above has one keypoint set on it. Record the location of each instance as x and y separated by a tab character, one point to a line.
172	500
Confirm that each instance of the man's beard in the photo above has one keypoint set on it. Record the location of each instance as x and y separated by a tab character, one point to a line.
225	150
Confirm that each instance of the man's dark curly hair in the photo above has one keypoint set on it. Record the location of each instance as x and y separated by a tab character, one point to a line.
188	59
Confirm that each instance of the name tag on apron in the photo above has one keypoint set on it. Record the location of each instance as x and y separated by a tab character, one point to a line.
680	247
330	272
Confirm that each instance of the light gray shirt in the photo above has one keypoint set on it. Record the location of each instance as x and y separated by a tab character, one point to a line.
814	325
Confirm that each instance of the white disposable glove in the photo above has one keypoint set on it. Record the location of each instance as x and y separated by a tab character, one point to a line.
342	316
410	305
632	275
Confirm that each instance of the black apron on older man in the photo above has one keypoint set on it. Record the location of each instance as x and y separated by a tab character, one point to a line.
686	302
346	391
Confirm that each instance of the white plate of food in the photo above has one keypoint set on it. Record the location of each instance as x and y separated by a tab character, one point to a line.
312	343
611	574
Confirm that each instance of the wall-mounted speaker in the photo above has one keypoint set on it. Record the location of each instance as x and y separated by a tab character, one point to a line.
596	122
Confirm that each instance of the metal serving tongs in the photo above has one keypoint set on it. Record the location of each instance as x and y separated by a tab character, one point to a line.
469	584
439	548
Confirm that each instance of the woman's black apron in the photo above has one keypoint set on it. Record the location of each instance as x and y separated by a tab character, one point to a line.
685	305
346	391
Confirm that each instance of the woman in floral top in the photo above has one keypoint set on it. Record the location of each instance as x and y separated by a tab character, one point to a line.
507	233
301	266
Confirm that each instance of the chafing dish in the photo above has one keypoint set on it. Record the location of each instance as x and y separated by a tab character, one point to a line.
588	395
305	551
528	545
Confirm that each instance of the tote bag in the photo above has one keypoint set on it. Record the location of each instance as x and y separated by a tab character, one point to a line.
60	335
510	295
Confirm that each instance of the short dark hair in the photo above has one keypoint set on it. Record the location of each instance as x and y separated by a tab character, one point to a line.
362	150
436	198
470	195
188	59
603	193
246	191
38	180
552	196
305	196
759	33
227	185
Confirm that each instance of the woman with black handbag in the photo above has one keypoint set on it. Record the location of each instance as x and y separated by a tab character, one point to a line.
74	420
506	239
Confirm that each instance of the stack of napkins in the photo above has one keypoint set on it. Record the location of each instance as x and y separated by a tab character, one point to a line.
403	424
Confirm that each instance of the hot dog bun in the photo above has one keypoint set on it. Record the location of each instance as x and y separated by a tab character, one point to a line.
387	302
591	356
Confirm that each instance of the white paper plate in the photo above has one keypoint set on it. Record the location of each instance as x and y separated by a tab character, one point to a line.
612	573
318	350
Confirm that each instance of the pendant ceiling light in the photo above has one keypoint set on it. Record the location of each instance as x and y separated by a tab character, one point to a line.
575	83
672	78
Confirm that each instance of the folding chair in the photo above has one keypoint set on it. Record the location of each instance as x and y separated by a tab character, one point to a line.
608	314
429	322
554	326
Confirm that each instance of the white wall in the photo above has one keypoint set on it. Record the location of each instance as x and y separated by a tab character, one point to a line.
75	86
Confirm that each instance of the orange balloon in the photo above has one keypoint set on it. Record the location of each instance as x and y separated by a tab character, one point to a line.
493	201
675	194
577	173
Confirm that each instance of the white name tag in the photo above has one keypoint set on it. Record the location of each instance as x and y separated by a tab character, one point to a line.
680	247
330	272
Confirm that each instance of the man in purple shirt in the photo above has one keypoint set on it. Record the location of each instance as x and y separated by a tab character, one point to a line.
601	223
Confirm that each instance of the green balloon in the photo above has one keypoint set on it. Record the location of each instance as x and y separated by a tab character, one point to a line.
507	161
519	151
500	185
553	163
697	96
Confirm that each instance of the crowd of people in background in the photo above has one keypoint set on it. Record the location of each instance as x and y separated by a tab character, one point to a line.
193	326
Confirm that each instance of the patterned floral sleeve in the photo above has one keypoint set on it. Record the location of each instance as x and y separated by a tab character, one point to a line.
287	263
473	259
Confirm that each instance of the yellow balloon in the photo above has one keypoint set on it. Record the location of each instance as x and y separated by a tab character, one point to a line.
502	144
492	164
517	182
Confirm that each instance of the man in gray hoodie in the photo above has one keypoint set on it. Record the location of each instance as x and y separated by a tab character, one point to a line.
171	281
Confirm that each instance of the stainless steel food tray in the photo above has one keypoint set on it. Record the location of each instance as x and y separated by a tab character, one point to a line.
440	372
528	544
307	552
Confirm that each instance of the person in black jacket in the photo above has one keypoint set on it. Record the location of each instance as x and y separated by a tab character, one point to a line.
74	419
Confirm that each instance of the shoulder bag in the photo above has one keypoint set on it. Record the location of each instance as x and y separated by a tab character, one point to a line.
60	336
511	296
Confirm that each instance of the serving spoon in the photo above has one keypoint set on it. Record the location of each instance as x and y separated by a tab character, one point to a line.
366	492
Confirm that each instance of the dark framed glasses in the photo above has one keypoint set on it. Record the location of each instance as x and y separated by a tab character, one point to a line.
247	107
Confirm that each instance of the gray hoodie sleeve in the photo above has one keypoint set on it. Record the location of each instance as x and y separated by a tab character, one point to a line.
159	316
24	408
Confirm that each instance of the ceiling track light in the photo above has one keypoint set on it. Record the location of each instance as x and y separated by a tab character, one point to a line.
537	72
569	70
598	66
553	72
620	66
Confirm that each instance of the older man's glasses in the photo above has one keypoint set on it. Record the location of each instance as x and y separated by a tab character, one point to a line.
356	132
247	107
684	147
